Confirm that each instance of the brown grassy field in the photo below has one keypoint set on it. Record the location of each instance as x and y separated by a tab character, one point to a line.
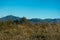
25	31
30	32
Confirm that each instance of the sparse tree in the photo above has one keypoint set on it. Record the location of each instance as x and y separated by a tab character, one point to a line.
24	20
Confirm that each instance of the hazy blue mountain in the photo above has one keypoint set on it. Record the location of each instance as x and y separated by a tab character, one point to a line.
45	20
9	17
52	20
34	20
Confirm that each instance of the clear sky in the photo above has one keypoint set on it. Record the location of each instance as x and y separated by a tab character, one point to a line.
30	8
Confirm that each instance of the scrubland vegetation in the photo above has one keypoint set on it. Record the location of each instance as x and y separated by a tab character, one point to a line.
24	30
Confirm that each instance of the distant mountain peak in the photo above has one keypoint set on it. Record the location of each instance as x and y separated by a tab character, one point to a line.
11	17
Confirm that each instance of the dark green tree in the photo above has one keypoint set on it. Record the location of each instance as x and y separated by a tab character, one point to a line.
24	20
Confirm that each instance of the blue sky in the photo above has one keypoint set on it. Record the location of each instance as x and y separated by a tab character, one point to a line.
30	8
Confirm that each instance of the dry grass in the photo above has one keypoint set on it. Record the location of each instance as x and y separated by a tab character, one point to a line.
30	32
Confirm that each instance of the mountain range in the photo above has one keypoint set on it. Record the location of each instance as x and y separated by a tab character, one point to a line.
33	20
